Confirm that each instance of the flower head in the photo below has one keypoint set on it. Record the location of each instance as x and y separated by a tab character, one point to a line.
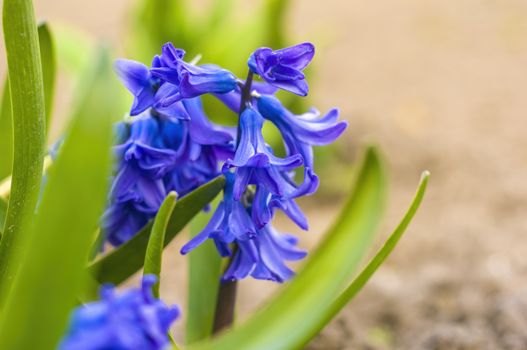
260	252
185	80
300	132
254	160
283	68
139	81
130	320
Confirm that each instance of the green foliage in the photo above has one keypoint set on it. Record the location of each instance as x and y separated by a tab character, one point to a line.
204	274
57	249
28	111
285	322
364	276
116	266
154	249
6	132
49	67
3	210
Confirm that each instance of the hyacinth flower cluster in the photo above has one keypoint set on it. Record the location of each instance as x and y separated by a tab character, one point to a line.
133	319
169	143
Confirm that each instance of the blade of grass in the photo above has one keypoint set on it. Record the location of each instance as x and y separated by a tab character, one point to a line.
116	266
365	275
3	209
49	67
154	249
52	271
29	128
204	276
6	132
287	319
6	121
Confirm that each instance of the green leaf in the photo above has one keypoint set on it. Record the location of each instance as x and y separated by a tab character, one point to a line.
359	281
52	270
154	249
6	121
204	277
6	132
29	130
3	209
49	67
116	266
289	317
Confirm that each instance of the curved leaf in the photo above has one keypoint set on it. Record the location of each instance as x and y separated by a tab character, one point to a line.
116	266
285	321
6	132
154	249
375	263
29	128
3	209
49	67
51	272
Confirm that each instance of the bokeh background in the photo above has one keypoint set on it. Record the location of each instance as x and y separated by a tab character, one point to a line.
439	85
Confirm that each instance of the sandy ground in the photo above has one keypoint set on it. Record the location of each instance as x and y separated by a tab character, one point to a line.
440	85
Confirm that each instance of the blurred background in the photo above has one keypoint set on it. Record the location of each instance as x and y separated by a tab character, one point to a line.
440	85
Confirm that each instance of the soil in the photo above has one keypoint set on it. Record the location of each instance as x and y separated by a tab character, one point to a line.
440	85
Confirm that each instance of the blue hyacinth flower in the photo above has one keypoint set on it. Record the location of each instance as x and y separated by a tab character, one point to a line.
283	68
138	188
263	257
230	223
260	252
300	132
136	77
131	320
185	80
254	161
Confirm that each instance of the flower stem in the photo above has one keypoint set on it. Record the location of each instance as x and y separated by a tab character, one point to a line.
226	302
224	316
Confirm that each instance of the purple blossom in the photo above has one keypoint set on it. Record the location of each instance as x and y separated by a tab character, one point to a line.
136	77
283	68
260	252
300	132
130	320
254	161
185	80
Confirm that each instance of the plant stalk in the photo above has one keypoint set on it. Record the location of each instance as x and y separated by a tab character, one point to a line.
226	302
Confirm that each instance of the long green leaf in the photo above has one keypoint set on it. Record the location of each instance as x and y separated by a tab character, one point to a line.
29	126
47	55
154	249
52	270
204	276
6	132
116	266
285	321
3	209
49	67
365	275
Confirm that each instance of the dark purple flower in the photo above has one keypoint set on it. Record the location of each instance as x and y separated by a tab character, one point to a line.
263	257
138	188
254	161
137	78
230	222
130	320
185	80
283	68
260	252
300	132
